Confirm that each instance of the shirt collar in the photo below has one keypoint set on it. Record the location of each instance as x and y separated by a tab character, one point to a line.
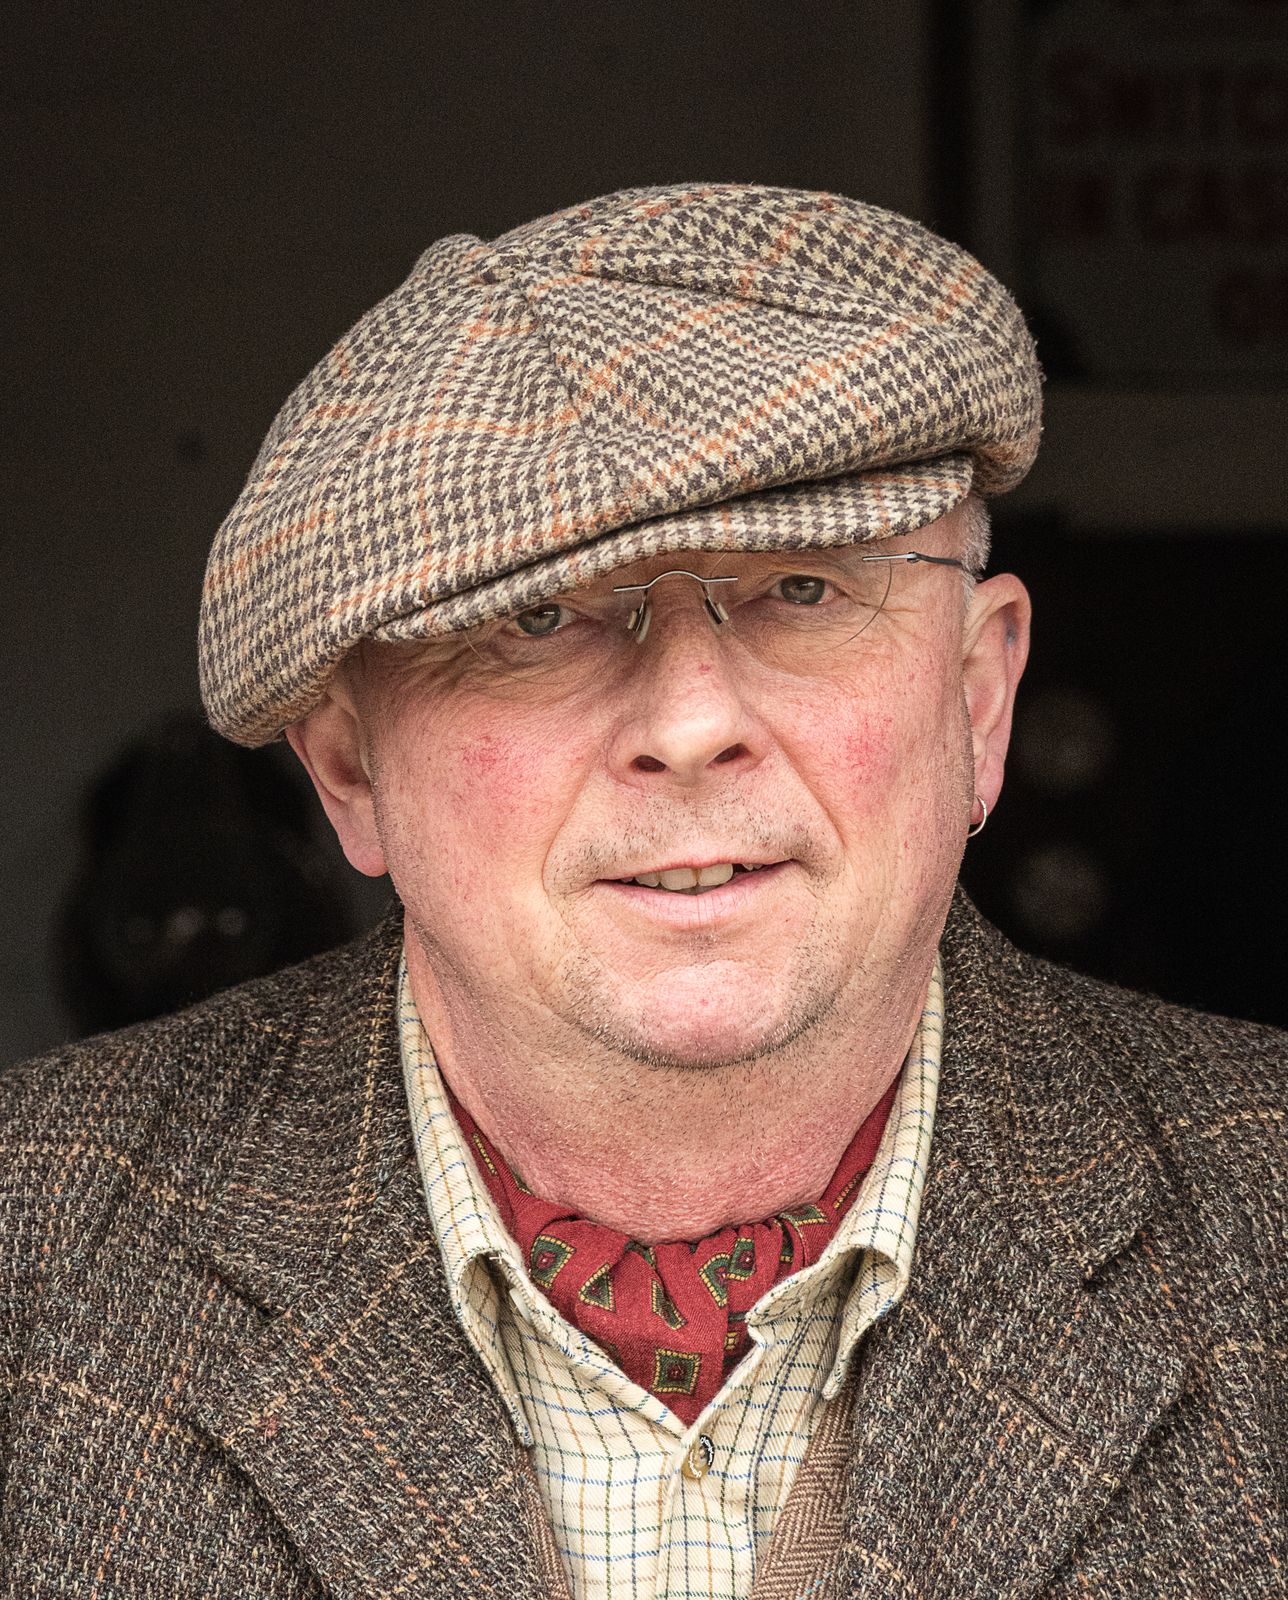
879	1229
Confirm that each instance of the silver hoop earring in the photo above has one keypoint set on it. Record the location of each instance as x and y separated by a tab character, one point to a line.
978	827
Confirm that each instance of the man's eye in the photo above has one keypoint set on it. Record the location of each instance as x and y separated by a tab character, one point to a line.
538	621
801	589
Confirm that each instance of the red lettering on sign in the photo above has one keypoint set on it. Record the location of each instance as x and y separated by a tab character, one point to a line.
1176	203
1084	99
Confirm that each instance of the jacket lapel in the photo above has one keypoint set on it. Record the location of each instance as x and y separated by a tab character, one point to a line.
358	1407
1006	1398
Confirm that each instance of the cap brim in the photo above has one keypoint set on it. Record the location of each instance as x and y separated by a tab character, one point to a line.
799	516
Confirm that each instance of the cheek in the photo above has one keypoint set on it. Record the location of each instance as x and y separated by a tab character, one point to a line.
865	749
872	745
498	795
881	750
490	773
517	780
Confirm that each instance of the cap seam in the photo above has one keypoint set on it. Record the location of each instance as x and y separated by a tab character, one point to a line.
589	434
620	223
915	320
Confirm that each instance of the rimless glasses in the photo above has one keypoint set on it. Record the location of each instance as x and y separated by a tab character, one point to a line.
799	612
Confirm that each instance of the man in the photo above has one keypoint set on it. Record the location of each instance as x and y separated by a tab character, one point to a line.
684	1194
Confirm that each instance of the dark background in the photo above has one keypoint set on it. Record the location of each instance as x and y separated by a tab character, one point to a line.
205	196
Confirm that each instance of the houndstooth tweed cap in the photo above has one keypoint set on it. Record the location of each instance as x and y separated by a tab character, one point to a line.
695	367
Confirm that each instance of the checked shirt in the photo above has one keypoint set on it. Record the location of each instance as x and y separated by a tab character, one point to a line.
628	1521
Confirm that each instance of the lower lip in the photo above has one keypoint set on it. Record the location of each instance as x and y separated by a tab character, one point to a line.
743	892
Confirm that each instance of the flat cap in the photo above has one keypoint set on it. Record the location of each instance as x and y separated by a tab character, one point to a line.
694	367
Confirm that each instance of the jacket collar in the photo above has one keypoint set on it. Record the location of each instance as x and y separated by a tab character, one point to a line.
357	1408
1005	1399
1037	1098
325	1131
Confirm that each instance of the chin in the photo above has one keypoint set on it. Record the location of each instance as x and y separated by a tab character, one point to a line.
702	1028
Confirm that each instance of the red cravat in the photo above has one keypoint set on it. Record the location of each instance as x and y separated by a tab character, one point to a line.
672	1316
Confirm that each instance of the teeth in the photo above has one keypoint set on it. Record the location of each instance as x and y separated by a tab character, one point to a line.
688	879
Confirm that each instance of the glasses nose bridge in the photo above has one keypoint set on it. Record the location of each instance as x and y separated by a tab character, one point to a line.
688	710
639	597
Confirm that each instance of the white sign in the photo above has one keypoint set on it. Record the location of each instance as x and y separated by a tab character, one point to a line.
1151	221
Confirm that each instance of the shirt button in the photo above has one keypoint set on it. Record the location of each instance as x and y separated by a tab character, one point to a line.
697	1461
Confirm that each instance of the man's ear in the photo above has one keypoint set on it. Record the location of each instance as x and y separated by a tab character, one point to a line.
331	744
995	649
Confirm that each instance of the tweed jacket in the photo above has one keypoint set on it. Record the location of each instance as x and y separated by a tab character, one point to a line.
229	1368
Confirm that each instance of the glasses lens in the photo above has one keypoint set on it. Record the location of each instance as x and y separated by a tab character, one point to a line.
802	622
557	647
793	618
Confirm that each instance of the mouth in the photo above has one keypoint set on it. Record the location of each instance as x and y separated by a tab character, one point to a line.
695	880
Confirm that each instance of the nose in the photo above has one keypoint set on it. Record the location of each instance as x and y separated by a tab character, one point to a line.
688	714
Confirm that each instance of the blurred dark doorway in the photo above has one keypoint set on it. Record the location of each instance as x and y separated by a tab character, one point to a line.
199	869
1140	835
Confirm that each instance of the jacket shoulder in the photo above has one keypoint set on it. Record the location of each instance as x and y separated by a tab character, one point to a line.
1214	1087
1201	1096
215	1042
152	1105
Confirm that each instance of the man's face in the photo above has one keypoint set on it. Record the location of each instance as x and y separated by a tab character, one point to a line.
509	820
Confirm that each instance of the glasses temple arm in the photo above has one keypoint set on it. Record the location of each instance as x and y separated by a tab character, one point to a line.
917	555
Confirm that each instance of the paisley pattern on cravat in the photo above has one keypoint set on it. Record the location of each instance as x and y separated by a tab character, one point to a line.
672	1316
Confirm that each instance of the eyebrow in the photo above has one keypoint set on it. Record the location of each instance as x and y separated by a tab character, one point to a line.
781	560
